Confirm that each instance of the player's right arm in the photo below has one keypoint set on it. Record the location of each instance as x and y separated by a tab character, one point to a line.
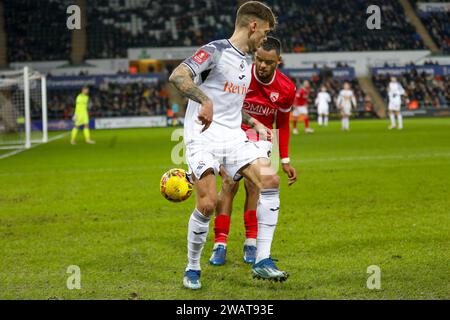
258	126
182	79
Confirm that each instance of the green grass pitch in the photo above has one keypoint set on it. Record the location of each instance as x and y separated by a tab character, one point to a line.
367	197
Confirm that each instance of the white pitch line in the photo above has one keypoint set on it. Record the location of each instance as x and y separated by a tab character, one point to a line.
13	153
385	157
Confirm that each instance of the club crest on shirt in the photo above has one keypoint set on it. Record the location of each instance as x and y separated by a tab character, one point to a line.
274	96
242	66
201	56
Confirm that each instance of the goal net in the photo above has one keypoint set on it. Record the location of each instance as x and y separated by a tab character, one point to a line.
23	109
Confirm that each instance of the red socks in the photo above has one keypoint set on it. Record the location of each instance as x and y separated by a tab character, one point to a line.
306	122
221	228
251	224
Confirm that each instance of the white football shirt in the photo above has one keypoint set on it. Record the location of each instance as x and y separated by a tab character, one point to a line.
346	99
223	73
323	99
395	91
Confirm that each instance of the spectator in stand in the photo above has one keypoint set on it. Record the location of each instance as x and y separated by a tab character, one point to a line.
113	100
424	90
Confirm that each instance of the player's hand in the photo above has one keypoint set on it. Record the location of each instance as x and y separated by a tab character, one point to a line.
291	173
206	114
265	133
74	118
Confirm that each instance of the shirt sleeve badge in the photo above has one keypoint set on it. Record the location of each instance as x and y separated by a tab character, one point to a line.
201	56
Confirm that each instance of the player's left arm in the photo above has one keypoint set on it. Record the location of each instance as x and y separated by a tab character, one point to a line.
355	106
283	126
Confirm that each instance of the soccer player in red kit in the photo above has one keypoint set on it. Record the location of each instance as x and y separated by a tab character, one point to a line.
268	101
301	107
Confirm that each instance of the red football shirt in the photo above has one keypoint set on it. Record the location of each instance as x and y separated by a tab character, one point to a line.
301	97
271	103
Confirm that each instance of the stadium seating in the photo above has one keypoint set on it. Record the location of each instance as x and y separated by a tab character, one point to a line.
112	27
111	100
423	90
48	39
320	25
438	25
111	30
304	25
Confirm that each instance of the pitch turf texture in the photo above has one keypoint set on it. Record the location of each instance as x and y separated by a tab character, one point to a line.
366	197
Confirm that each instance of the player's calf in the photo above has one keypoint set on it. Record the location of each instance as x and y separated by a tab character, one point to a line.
206	200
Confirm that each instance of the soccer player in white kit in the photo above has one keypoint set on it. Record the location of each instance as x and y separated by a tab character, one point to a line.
322	103
345	102
395	93
216	80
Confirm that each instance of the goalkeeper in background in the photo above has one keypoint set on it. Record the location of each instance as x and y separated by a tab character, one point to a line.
81	117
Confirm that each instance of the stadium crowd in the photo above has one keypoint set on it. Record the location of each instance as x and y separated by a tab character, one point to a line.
304	26
112	100
48	39
115	26
423	90
437	22
321	25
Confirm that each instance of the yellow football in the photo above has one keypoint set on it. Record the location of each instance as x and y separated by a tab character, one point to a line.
175	186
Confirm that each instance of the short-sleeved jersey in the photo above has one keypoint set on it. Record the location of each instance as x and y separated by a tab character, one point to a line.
301	97
271	103
395	91
323	99
346	99
81	104
223	73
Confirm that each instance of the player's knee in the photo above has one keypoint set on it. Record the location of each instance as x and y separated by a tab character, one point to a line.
271	181
230	187
251	190
207	205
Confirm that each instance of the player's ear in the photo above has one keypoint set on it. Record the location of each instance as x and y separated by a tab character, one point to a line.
253	25
279	60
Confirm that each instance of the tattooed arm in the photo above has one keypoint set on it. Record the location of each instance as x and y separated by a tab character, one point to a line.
265	133
181	78
248	120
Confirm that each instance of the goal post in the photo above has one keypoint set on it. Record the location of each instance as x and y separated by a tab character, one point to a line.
23	109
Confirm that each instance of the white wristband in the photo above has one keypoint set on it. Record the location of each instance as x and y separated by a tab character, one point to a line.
285	160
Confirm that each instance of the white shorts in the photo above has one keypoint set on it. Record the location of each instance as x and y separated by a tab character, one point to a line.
298	111
346	111
394	106
266	146
232	158
322	110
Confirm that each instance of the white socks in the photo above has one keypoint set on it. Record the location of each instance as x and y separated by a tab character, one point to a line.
267	212
319	120
325	120
250	242
400	121
345	123
197	231
392	117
